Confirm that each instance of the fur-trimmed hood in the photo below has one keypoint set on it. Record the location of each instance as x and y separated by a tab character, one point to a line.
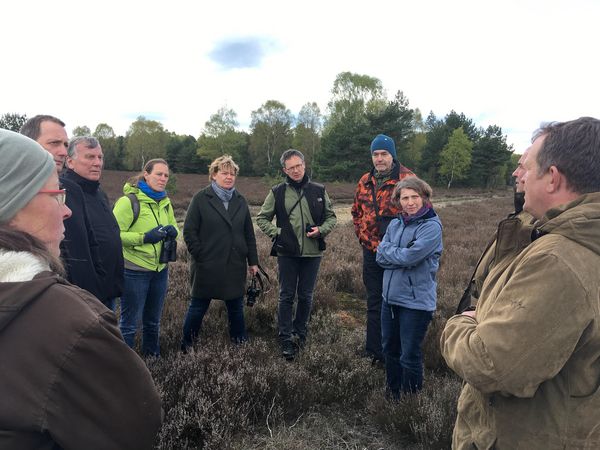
20	266
23	277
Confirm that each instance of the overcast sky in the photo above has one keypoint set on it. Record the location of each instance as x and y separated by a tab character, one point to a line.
512	63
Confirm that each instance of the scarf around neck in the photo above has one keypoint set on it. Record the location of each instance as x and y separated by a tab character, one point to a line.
297	184
154	195
224	194
425	212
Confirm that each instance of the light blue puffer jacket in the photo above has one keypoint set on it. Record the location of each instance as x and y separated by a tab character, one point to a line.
410	254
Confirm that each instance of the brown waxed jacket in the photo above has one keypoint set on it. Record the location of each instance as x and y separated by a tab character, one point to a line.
513	235
67	379
531	358
366	226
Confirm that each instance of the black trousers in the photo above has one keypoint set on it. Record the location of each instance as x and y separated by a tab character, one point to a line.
373	281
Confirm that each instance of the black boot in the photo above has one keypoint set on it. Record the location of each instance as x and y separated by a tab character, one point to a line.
288	351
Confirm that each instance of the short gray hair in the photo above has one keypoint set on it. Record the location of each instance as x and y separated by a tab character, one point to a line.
416	184
573	147
289	154
89	142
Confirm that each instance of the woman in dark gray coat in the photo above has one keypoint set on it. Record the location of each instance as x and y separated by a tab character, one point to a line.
219	235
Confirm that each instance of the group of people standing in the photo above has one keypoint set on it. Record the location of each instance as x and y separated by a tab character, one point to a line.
57	221
528	350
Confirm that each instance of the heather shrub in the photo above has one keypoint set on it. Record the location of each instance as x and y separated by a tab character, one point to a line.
426	418
221	396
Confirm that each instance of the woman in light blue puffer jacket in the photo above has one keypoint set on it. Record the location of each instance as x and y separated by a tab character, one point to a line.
410	254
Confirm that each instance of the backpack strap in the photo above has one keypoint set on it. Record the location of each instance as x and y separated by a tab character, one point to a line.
135	207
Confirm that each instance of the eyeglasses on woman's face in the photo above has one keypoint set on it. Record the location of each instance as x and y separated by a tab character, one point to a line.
59	194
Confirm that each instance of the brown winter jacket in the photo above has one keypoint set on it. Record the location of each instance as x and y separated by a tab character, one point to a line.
531	359
67	379
368	229
513	235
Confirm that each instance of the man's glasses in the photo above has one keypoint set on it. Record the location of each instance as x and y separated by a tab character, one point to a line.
294	168
59	194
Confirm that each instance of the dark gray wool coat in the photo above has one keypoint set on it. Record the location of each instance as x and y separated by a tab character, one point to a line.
222	244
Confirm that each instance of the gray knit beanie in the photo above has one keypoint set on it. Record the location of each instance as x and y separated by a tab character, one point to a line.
24	170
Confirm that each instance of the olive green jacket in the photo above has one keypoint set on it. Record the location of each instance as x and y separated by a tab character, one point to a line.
531	358
299	218
513	235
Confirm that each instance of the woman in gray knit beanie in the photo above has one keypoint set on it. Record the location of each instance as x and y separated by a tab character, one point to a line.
29	190
54	337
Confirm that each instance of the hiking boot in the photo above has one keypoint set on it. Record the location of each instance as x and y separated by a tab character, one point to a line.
288	351
378	363
299	341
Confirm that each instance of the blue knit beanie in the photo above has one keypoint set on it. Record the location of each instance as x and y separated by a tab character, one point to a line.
383	142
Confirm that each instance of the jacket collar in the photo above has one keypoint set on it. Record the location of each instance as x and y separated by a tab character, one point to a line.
86	185
233	208
394	175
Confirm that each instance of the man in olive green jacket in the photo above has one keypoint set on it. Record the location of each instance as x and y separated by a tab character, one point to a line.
304	217
530	353
512	236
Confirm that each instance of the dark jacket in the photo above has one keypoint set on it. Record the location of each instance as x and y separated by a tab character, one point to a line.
67	379
79	249
221	242
107	234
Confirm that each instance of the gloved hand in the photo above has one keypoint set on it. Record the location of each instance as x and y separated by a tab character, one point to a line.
170	230
155	235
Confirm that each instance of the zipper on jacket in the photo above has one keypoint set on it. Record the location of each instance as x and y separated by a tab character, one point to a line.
412	288
303	229
387	291
156	253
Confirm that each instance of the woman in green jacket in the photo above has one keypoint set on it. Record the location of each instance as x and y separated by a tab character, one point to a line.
145	217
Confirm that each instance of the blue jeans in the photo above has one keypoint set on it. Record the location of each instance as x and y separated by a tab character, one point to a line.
195	315
296	274
373	281
142	301
402	334
111	304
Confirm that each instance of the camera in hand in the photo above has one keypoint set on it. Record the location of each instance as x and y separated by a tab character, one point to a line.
168	252
309	228
252	293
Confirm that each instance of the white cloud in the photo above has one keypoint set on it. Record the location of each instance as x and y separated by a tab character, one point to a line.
510	63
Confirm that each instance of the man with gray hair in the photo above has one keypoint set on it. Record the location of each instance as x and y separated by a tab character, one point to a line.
85	161
304	217
79	249
530	352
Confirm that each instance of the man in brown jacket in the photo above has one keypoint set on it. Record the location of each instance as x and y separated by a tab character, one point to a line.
530	352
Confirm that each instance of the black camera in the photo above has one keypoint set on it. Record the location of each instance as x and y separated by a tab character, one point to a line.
309	228
252	293
168	253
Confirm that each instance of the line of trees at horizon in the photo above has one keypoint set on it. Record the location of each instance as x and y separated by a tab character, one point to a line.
450	150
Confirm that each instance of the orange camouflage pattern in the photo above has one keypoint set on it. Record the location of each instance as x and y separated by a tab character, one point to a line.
363	212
